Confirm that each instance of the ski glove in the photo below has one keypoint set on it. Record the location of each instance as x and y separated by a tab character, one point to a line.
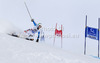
37	40
32	20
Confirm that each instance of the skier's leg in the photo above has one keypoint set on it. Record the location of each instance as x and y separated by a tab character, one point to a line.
30	36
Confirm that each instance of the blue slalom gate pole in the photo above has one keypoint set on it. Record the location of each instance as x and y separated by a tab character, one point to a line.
85	36
98	35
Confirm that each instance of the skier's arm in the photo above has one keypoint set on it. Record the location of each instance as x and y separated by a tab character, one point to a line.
38	36
34	22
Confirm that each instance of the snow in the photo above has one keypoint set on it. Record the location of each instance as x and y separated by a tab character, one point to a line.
7	27
18	50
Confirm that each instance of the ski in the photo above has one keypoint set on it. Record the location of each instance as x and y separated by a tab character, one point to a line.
13	35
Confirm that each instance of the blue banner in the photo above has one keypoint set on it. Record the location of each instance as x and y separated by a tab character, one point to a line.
92	33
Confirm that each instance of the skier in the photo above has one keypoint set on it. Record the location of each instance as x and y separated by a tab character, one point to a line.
32	32
29	34
37	29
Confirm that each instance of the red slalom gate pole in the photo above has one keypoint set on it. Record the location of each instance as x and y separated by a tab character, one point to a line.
61	36
55	34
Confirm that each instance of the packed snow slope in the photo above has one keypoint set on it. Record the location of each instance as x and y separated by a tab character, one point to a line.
17	50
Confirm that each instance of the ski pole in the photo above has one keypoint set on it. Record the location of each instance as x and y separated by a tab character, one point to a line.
27	10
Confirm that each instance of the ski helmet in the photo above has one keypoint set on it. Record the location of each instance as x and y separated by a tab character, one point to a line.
39	25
